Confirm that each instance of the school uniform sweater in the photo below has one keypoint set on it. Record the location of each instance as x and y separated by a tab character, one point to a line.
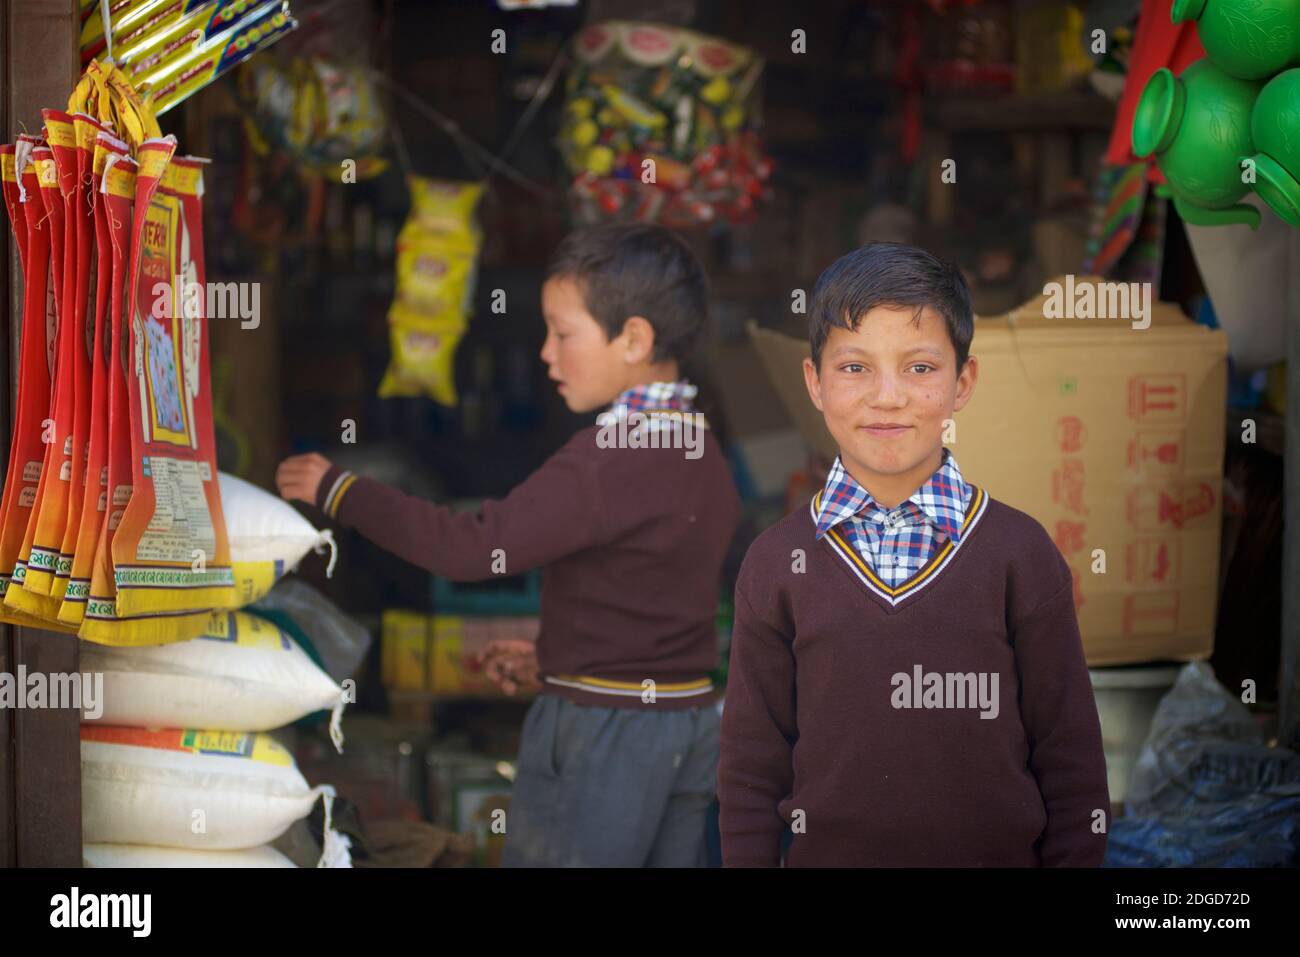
854	710
632	542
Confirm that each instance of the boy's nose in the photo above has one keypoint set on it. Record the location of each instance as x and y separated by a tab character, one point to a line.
888	392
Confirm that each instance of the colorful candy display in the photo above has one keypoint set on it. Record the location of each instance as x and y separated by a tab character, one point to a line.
319	112
661	124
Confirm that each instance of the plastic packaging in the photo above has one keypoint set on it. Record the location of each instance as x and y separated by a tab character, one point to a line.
1206	790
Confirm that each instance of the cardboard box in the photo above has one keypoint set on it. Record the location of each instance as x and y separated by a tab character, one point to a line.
1112	437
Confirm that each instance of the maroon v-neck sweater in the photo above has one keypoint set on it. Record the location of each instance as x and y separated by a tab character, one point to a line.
632	542
841	719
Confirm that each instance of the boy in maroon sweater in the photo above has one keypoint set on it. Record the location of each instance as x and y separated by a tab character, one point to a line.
907	683
631	520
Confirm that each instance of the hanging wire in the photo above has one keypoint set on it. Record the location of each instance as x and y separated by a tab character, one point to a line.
478	158
107	20
540	96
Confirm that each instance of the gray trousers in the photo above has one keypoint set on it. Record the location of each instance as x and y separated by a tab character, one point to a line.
612	787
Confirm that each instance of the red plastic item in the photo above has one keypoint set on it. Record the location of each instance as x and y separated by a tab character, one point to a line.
1157	43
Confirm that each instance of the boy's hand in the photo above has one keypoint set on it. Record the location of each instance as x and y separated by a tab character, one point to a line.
299	477
511	665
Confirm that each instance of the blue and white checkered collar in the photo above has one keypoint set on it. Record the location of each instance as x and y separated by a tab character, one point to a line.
652	397
941	499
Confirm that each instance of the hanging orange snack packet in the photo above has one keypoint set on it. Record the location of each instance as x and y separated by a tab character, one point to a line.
95	491
35	353
52	500
82	211
48	194
100	622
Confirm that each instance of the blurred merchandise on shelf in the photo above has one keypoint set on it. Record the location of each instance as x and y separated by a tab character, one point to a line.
504	595
437	654
661	124
1108	31
1126	237
470	794
1051	49
969	47
323	114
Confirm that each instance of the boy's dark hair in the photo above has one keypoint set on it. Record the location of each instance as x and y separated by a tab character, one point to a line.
890	274
638	269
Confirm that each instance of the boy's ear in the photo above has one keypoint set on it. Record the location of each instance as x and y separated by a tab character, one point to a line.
814	383
639	339
966	383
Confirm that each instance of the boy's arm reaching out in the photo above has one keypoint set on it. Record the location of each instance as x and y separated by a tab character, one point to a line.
1060	718
554	512
756	772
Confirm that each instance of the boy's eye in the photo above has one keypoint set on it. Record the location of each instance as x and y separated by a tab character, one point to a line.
923	367
854	367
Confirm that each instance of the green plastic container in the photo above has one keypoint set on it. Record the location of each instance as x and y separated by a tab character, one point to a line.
1275	128
1249	39
1198	127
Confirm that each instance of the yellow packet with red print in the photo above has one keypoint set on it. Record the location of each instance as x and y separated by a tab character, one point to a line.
423	355
171	551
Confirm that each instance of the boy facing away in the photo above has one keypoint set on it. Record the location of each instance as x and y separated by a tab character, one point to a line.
907	682
631	520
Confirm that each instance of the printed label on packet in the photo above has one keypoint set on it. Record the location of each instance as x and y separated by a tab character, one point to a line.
246	631
181	522
235	744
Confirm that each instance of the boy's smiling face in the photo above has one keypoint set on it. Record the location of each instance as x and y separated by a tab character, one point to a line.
885	389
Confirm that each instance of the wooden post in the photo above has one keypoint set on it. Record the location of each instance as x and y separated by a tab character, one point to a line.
1288	679
40	750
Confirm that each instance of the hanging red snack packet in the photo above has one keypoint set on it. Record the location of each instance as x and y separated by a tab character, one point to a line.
9	187
9	183
52	497
47	193
82	212
36	342
100	622
171	552
95	491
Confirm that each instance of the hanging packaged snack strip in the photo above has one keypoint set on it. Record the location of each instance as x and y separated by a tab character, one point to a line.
171	552
95	491
83	316
101	622
437	264
60	463
47	195
36	341
112	523
186	75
